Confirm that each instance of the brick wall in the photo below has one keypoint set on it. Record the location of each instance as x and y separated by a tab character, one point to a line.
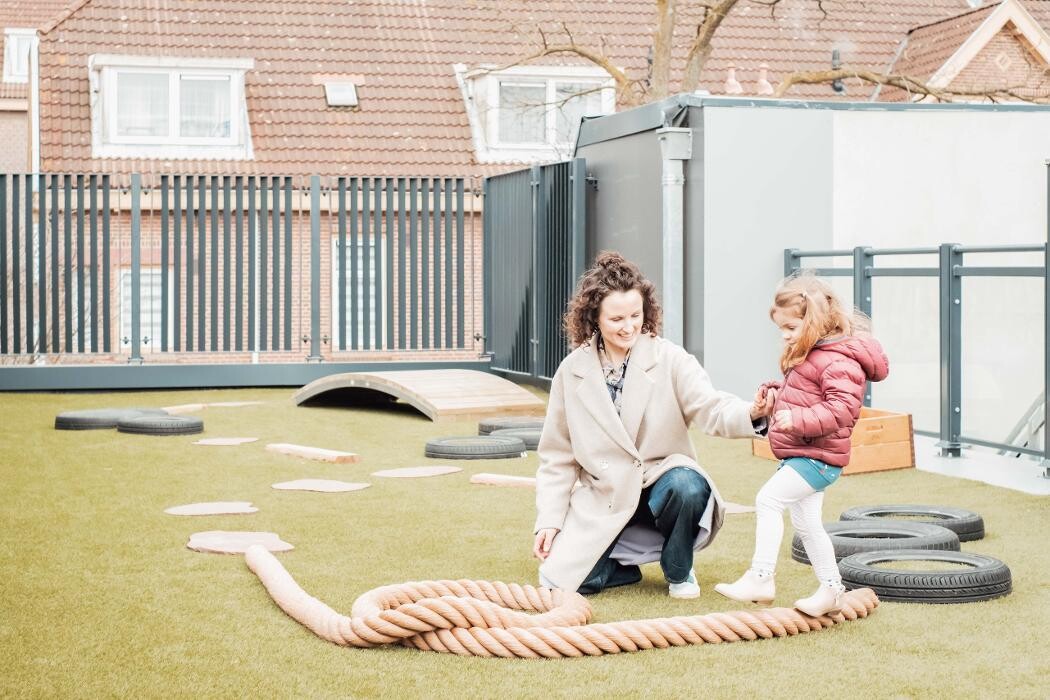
1006	61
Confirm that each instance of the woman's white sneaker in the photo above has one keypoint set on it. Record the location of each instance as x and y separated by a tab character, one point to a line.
752	587
686	589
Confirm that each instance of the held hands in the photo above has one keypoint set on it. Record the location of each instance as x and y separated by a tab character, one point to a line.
544	539
763	404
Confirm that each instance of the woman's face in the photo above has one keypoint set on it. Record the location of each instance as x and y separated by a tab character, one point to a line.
620	319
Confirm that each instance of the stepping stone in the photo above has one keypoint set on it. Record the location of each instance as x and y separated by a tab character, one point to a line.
183	408
416	472
213	508
235	403
316	453
225	441
225	542
323	485
736	508
528	482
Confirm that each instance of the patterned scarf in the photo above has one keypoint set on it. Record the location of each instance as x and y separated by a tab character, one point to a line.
614	374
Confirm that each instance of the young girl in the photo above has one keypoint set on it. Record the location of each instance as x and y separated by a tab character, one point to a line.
828	356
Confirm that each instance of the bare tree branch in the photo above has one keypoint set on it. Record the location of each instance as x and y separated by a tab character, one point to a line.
700	49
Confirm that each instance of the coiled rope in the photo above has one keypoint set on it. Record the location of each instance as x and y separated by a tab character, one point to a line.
483	618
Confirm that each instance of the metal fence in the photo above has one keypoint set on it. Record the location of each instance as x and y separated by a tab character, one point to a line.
216	264
535	223
950	271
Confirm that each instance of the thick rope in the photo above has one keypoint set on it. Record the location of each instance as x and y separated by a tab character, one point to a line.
483	618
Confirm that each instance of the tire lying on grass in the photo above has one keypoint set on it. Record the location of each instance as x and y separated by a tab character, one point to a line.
984	578
161	425
475	447
101	418
531	437
488	425
967	524
865	536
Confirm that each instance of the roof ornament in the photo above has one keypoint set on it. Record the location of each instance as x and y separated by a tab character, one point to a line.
732	85
764	86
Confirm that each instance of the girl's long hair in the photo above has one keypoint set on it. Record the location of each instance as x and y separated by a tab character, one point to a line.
611	272
823	315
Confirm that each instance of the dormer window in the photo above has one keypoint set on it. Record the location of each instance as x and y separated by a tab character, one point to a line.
169	107
532	113
18	47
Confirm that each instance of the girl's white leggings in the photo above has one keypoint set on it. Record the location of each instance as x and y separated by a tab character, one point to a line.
787	489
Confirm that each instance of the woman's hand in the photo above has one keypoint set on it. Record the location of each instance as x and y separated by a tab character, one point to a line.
782	419
544	539
763	404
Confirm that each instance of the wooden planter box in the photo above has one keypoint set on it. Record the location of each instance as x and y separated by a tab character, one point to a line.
882	440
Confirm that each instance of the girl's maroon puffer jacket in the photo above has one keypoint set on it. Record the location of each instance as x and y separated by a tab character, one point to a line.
824	394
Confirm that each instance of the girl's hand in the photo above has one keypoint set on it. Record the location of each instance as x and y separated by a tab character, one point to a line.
782	419
763	403
544	539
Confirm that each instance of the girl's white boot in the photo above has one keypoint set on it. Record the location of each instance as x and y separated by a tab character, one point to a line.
826	601
752	587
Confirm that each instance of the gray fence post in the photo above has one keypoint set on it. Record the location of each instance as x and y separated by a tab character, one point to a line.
791	261
951	349
539	216
1046	334
136	268
862	262
315	270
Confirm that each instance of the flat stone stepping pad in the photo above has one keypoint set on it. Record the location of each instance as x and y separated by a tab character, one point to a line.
225	441
184	408
100	418
528	482
226	542
316	453
161	425
322	485
233	404
213	508
736	508
416	472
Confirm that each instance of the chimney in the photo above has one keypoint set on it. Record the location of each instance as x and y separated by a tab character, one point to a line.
764	86
732	85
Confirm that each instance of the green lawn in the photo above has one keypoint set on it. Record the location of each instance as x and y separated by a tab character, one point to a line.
101	597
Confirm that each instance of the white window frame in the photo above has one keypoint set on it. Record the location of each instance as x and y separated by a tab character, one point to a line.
147	326
481	90
14	39
376	327
104	71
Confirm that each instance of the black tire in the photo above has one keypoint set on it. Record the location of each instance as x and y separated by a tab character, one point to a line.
486	426
968	525
161	425
101	418
865	536
989	578
475	447
530	437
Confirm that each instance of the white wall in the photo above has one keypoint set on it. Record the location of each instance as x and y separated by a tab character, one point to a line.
819	178
920	178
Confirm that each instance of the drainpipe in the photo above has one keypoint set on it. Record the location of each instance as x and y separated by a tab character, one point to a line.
34	105
676	147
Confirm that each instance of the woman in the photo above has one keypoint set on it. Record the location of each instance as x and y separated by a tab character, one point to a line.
618	483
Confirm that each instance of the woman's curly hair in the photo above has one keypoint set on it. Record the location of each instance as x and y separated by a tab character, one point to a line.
611	272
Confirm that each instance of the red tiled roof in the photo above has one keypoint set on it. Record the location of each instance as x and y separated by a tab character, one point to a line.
927	48
412	119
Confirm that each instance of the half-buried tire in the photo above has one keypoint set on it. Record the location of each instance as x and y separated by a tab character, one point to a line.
475	447
101	418
967	524
530	437
865	536
983	577
161	425
485	427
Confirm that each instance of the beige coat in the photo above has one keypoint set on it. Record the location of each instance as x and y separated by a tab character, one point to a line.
614	457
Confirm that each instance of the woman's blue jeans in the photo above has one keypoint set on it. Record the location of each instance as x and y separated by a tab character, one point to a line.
672	506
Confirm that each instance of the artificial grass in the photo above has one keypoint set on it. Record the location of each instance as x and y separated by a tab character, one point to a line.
102	598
